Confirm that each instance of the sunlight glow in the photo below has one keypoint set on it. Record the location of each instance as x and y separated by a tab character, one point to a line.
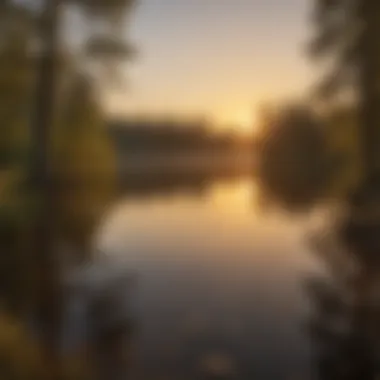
241	122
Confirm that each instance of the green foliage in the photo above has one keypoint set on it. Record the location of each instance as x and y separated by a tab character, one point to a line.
82	158
84	166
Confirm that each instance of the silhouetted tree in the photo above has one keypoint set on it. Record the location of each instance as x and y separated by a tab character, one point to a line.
101	44
346	311
33	52
347	34
292	164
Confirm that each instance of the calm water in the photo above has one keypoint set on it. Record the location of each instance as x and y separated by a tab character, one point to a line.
215	278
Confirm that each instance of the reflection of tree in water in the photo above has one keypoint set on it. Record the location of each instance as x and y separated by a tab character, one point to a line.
345	316
99	315
345	305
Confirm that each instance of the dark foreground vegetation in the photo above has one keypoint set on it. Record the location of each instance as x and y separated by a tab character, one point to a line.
326	154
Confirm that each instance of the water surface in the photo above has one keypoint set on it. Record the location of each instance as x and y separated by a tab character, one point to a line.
216	277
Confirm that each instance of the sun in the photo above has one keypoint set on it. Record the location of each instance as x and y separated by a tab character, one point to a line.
240	122
244	119
244	122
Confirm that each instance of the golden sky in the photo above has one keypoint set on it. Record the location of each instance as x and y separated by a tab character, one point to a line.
218	58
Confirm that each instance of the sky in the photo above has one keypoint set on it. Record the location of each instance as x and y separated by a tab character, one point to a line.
216	58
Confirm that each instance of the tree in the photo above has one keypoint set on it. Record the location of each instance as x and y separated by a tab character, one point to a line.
347	34
84	167
16	78
346	39
30	40
292	163
103	13
342	134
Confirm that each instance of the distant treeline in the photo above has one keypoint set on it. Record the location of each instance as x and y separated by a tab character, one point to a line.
172	136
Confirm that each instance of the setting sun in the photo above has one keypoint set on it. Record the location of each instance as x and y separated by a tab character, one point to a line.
245	122
241	122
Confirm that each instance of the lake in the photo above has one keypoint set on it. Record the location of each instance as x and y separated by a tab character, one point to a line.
219	283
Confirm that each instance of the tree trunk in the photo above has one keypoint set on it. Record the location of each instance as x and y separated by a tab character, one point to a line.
369	89
48	297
